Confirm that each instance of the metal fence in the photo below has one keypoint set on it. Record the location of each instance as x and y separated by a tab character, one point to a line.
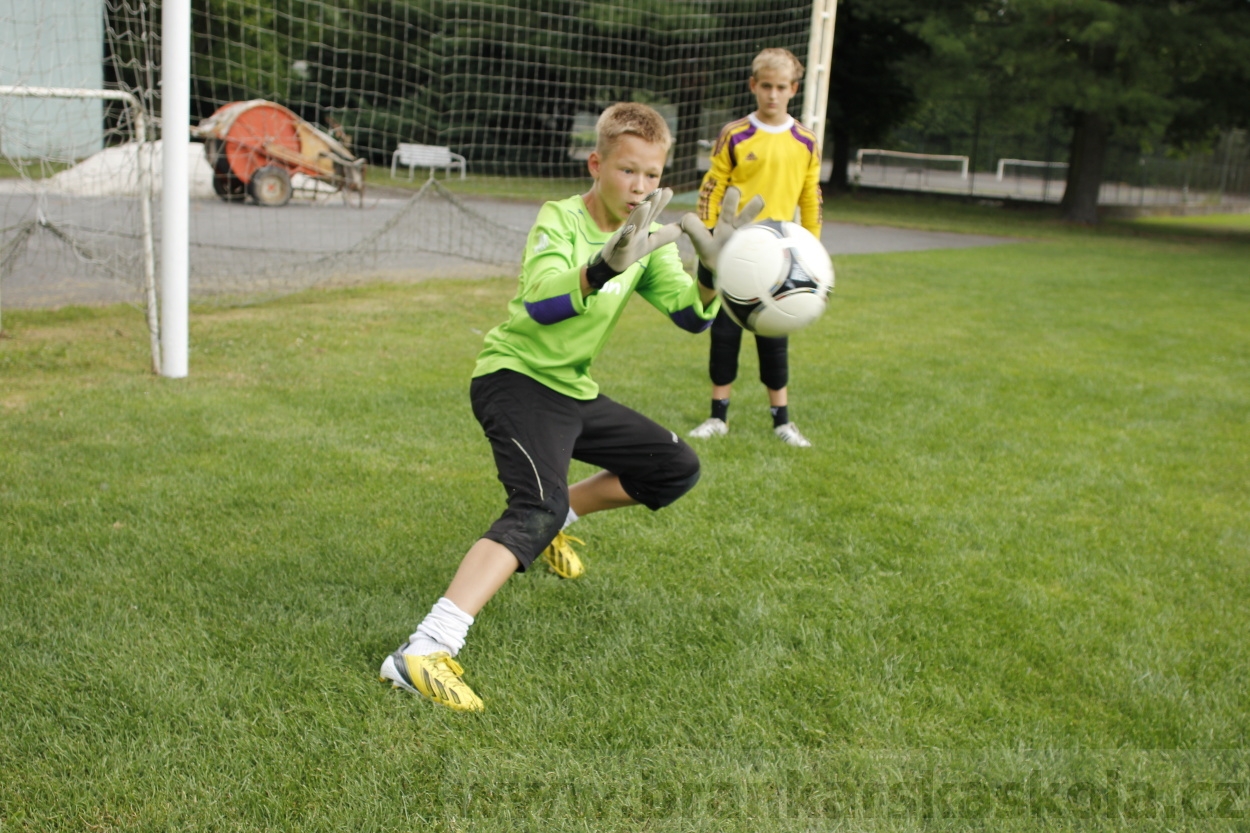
1202	182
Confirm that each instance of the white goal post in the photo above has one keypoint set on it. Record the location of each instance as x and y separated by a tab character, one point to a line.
1025	163
145	186
176	195
917	157
819	66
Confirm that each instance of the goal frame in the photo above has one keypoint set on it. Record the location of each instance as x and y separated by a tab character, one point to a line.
1024	163
145	187
819	66
901	154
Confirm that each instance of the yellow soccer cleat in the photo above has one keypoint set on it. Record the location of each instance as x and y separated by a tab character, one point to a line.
435	676
561	559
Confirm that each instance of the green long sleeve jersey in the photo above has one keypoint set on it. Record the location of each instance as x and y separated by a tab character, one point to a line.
553	334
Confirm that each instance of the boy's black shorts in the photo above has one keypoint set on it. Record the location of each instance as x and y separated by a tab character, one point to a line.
535	431
723	356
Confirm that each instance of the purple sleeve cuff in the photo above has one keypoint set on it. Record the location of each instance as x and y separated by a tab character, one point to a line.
551	310
690	320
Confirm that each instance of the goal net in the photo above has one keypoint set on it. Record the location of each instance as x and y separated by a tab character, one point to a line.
297	189
68	232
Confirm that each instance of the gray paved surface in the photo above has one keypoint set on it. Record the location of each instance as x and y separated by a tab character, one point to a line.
246	248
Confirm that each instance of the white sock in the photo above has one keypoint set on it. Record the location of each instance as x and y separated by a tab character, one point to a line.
444	629
572	517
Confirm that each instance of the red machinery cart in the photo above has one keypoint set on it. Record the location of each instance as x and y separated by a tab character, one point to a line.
255	147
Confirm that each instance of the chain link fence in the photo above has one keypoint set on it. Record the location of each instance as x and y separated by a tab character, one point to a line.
1028	162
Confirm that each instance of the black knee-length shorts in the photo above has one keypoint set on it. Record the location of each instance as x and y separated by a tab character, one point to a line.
723	354
535	431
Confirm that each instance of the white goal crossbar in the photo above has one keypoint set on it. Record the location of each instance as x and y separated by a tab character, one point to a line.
900	154
1025	163
145	187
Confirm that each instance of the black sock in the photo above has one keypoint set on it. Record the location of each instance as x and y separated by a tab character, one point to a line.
720	409
781	415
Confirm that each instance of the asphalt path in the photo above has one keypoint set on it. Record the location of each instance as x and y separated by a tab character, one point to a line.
242	247
838	238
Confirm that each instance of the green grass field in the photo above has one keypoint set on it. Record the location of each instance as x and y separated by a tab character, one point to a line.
1007	588
1225	224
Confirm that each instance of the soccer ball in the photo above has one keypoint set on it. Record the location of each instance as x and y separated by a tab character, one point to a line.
773	277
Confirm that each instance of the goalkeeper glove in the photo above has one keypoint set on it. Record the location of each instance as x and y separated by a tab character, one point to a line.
628	246
708	243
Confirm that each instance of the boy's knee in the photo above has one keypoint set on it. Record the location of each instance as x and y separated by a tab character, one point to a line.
527	530
687	467
774	362
674	480
775	379
541	525
685	482
723	373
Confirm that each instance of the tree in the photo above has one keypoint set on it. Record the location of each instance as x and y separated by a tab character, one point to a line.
1132	68
501	81
870	90
1214	90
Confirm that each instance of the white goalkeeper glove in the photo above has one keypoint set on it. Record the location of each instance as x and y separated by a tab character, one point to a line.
634	240
708	243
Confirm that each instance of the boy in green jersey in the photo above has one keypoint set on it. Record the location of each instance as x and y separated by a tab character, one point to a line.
532	391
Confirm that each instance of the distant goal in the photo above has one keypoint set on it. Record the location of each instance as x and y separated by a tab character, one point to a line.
901	168
1026	167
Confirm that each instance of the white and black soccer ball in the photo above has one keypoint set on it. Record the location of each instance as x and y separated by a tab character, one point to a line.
774	277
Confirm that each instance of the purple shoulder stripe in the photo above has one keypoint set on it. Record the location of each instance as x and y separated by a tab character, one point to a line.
726	133
551	310
803	136
737	139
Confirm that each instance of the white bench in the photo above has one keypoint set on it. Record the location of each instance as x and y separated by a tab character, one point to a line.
426	156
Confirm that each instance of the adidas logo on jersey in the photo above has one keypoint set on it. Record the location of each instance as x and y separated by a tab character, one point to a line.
751	157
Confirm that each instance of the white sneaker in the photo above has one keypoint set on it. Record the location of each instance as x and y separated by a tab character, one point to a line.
711	427
790	435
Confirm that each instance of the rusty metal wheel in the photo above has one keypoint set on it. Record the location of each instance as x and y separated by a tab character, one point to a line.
270	186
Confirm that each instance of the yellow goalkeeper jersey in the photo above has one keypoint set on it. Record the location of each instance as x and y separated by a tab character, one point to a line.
781	164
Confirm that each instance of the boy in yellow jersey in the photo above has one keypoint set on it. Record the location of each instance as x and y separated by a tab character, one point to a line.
768	154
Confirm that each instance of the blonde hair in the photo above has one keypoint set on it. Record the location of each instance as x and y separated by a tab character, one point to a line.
779	60
631	118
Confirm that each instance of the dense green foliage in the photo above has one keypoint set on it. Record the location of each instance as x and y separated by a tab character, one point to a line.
500	81
1139	71
869	89
1014	563
504	82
